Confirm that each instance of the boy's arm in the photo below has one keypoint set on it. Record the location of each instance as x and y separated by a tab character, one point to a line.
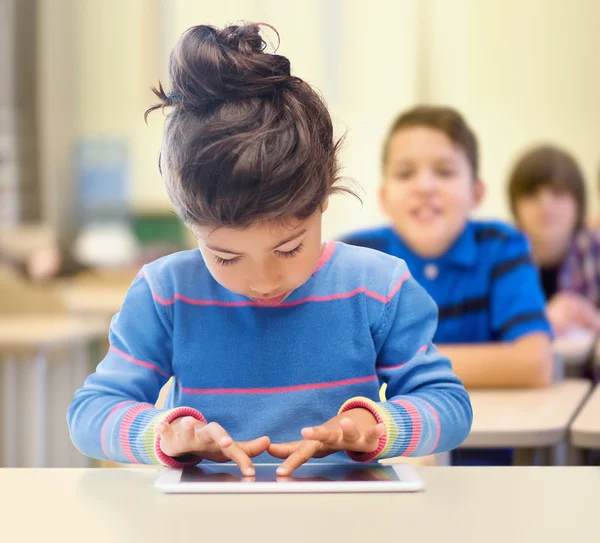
428	409
113	415
525	362
521	354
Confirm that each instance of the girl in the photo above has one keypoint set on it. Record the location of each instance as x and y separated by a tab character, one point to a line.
277	343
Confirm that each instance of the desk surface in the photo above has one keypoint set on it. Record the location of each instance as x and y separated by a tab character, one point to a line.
86	299
460	504
585	431
26	331
525	418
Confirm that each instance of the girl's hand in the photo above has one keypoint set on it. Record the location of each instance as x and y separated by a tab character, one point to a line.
356	430
188	436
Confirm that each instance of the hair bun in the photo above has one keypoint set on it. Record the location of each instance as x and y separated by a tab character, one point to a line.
209	66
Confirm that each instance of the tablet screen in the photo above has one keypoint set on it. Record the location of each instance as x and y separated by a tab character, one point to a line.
314	473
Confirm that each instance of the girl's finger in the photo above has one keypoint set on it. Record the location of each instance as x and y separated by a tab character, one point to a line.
256	446
301	455
376	432
228	447
210	434
235	453
349	430
163	429
186	428
371	438
187	424
283	450
328	435
167	438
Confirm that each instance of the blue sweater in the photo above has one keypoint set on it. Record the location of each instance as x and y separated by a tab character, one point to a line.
359	321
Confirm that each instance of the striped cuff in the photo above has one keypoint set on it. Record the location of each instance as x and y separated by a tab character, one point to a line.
382	417
169	417
412	427
145	447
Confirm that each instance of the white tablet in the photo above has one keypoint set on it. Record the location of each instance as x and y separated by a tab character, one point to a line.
317	477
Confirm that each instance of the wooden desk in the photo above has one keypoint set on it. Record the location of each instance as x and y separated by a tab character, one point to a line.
22	241
30	333
585	430
470	505
525	419
92	300
28	340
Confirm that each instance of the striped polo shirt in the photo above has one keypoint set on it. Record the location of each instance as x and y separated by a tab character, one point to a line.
486	286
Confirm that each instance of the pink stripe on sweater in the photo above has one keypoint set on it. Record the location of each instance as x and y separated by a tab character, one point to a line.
421	349
437	434
279	390
126	424
251	303
138	362
415	418
103	431
325	255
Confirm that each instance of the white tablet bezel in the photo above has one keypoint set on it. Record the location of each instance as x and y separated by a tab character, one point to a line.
168	482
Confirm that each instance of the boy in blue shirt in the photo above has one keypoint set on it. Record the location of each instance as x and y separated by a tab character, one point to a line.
492	322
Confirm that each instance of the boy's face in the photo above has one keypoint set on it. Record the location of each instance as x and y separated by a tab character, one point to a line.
428	190
548	217
265	262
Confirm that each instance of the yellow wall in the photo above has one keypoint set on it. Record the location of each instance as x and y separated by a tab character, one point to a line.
521	72
117	61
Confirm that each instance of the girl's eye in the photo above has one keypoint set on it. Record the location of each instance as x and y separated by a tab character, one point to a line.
292	253
226	262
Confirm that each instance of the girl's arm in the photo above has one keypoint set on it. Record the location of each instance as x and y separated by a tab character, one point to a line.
113	416
428	409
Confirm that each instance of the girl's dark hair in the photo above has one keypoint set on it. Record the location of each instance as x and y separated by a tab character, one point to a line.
446	120
244	141
547	166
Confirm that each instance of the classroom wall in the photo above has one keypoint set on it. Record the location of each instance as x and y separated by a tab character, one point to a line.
521	72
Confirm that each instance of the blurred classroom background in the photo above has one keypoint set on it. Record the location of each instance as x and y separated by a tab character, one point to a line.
82	204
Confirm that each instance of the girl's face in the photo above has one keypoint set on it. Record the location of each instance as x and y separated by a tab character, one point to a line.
265	262
548	217
428	190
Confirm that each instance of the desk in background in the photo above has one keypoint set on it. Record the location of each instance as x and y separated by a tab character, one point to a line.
469	505
529	420
36	385
99	300
585	430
